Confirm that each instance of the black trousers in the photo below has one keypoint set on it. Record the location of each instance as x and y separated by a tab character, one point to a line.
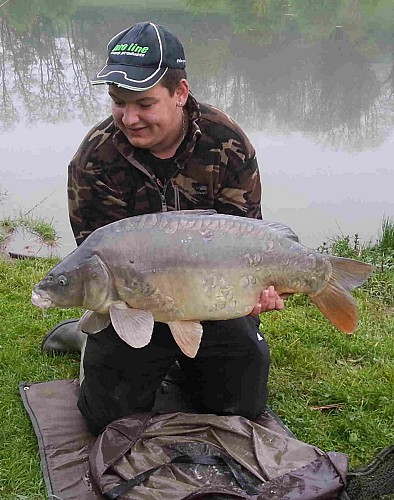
228	376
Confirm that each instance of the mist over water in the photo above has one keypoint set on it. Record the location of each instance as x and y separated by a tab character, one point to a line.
311	84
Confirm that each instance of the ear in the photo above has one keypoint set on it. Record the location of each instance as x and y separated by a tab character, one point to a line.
182	91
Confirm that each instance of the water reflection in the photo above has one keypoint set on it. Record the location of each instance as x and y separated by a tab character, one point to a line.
45	75
325	89
326	85
323	70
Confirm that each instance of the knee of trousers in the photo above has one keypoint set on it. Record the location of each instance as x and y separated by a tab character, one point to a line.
249	406
235	385
100	409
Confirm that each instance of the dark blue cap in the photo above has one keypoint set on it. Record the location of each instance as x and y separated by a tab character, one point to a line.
139	57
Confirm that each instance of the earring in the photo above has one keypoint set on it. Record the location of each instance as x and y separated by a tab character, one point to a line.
180	104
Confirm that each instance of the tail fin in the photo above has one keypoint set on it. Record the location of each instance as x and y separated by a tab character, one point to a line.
335	301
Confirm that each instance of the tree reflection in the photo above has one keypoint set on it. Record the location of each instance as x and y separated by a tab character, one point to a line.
390	80
45	68
316	18
288	67
324	83
350	94
327	90
8	113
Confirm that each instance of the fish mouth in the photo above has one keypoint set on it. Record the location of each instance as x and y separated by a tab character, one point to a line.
41	300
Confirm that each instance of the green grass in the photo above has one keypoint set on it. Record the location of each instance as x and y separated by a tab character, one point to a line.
313	365
38	226
22	328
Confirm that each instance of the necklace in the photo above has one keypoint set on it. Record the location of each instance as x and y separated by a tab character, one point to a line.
183	124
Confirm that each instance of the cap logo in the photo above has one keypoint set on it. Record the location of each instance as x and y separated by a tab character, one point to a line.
131	50
140	56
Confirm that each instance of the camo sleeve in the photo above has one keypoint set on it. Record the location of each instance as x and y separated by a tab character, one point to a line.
88	202
94	198
237	186
240	191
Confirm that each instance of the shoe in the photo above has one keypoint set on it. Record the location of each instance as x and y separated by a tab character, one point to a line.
64	337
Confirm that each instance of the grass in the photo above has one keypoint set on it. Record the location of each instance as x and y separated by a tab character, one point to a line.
37	226
313	365
22	328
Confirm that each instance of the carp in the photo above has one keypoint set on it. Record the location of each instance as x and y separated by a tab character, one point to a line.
185	267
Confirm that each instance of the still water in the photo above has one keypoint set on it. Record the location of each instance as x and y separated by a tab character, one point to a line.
312	84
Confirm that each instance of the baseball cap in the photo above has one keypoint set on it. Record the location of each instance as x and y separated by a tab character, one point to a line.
139	57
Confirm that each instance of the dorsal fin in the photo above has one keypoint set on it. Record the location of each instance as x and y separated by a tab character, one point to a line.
208	211
282	229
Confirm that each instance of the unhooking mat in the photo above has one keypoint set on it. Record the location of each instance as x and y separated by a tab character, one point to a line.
65	442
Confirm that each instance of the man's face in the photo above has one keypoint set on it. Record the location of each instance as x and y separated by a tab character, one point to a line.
150	119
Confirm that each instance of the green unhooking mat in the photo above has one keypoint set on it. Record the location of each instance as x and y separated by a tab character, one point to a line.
173	455
164	455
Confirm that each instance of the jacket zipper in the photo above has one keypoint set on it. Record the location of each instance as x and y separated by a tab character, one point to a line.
162	191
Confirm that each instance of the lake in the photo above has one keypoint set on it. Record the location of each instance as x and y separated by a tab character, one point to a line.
311	83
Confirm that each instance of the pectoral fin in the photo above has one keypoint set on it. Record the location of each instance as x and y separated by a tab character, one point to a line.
93	322
187	335
134	326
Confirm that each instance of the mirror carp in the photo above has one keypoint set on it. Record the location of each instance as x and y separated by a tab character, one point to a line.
185	267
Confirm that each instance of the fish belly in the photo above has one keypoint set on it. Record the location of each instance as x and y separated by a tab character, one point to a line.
205	294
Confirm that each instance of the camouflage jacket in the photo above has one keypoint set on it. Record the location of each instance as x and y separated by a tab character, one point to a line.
215	167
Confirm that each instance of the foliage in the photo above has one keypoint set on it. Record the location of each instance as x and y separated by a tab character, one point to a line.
380	254
316	18
329	89
249	17
380	16
23	15
133	5
202	6
41	228
386	237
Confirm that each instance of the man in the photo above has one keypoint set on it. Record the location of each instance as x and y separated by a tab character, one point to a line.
162	150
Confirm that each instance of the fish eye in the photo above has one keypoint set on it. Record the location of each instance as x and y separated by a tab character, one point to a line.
62	280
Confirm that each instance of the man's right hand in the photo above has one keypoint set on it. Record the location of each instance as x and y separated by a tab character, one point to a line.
270	300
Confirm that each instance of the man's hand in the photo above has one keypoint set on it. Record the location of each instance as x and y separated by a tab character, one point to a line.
269	301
